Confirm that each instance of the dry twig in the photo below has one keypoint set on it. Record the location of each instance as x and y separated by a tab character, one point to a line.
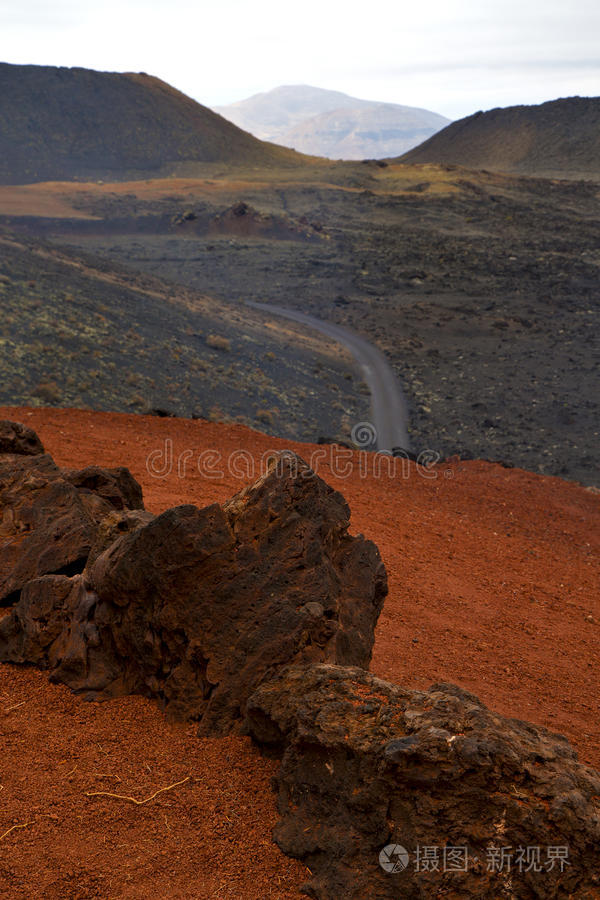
8	831
133	799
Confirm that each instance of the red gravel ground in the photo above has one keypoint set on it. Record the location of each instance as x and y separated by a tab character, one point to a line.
494	577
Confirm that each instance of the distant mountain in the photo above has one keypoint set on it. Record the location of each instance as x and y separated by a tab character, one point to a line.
329	123
558	139
60	123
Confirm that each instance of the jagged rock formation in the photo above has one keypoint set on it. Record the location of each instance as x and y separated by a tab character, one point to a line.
369	765
116	486
18	439
49	517
198	606
259	616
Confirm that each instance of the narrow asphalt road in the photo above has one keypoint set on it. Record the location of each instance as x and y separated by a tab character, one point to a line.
389	416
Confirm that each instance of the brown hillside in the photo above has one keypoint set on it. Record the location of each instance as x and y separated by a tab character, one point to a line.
558	139
493	585
60	123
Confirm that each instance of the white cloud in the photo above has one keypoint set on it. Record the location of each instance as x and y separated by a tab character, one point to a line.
453	57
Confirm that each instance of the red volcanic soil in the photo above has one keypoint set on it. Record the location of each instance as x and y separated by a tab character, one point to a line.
494	577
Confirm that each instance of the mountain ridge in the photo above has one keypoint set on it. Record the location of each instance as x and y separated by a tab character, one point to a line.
556	139
59	123
332	124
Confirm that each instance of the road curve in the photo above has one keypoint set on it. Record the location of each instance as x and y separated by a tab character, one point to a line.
388	405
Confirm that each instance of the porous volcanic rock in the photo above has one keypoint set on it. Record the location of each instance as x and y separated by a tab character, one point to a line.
115	525
199	606
39	619
117	486
17	438
49	517
369	765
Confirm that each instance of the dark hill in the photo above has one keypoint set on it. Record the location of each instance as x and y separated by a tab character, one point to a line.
63	124
558	139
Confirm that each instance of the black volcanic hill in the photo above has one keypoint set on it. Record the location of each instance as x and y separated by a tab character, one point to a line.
63	124
558	139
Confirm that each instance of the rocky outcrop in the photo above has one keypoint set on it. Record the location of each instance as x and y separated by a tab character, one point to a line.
18	439
115	525
259	616
117	486
243	220
49	517
199	606
459	801
47	525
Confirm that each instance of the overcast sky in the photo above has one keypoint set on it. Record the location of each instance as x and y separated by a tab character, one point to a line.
450	56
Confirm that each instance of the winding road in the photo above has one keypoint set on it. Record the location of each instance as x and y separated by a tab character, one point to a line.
388	405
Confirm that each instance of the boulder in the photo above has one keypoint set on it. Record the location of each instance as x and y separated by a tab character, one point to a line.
113	526
49	517
38	619
385	792
46	525
18	439
199	606
117	486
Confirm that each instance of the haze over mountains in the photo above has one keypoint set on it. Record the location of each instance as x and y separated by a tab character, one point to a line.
558	139
58	123
332	124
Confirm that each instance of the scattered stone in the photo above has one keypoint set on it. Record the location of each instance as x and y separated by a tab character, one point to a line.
161	412
324	439
370	767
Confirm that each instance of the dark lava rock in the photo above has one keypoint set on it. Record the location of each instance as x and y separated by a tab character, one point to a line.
40	617
443	788
116	524
49	517
47	525
17	438
199	606
161	412
323	439
117	486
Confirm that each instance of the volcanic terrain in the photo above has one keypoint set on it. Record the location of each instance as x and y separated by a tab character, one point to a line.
493	577
481	288
557	139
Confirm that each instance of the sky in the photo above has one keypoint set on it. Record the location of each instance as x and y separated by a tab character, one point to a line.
453	57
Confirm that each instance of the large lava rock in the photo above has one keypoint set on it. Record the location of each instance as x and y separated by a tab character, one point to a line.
18	439
117	486
49	517
199	606
462	802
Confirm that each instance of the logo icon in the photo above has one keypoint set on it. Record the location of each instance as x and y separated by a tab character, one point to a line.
364	435
393	858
